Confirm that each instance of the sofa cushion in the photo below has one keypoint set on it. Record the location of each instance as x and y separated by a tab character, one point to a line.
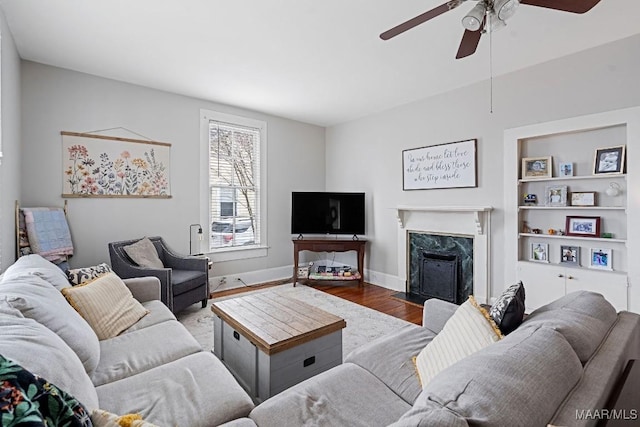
467	331
508	310
37	266
144	253
519	381
584	318
28	399
430	414
100	418
195	391
106	304
39	300
389	358
134	352
78	276
158	313
346	395
44	353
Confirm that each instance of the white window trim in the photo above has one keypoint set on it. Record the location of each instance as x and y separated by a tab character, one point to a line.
233	253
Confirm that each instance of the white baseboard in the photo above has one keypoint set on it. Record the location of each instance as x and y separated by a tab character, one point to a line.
384	280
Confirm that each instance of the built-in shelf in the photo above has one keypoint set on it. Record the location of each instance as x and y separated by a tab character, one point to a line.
558	236
576	267
574	178
570	208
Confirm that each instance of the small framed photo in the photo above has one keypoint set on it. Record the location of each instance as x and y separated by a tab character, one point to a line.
583	226
609	160
570	255
536	167
566	169
586	198
601	259
539	252
556	195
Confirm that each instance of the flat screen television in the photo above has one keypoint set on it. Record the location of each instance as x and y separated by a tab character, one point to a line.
327	213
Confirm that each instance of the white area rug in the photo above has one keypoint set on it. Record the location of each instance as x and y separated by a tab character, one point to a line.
363	324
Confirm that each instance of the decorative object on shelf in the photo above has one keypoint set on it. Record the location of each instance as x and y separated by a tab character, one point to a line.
570	255
561	233
536	231
540	252
191	239
450	165
536	167
583	198
583	226
556	195
525	227
565	169
551	231
108	166
530	199
609	160
614	189
606	235
601	259
303	272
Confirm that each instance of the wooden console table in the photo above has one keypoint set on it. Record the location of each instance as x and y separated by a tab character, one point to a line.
329	245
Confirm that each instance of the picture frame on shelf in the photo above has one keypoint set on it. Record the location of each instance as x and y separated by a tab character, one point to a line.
601	259
583	198
536	167
565	169
609	160
539	252
570	255
556	195
583	226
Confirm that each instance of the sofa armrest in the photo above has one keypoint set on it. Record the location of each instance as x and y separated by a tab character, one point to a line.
144	288
436	312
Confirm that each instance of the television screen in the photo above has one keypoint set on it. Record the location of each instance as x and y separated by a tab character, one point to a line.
327	213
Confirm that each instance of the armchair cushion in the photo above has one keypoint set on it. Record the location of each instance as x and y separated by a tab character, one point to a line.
187	280
144	253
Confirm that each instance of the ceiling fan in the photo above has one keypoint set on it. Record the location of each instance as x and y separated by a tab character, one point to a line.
491	14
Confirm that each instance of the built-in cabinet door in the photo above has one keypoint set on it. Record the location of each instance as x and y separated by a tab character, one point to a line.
612	286
543	283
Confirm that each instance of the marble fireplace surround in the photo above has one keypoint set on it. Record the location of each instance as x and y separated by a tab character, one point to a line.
472	221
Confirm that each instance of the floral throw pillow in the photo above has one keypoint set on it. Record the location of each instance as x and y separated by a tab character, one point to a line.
508	310
79	276
28	400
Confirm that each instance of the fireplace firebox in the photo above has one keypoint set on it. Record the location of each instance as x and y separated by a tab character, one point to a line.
440	274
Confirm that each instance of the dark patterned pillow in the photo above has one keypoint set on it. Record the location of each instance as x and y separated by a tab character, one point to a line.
80	275
508	310
28	400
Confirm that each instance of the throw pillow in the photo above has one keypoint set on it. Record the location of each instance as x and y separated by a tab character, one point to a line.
101	418
27	399
508	310
78	276
106	304
144	253
468	330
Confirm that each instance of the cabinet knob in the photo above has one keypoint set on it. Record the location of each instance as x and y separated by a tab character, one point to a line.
569	277
560	275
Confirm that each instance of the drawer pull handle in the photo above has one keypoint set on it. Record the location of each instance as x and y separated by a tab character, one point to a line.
309	361
236	335
560	275
569	277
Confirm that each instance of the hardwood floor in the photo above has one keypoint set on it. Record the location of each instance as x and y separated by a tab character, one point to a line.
371	296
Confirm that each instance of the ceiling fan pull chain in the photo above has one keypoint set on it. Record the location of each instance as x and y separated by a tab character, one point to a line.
490	62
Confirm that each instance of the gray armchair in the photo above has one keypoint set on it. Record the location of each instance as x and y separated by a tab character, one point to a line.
183	282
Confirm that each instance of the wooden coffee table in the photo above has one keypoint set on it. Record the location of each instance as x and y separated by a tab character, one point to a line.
269	342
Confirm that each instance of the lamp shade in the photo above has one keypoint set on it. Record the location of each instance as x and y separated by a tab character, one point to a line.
504	9
473	20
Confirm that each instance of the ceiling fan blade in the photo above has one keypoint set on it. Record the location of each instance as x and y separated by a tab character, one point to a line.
574	6
430	14
469	43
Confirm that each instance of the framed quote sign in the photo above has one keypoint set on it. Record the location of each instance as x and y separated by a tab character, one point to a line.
451	165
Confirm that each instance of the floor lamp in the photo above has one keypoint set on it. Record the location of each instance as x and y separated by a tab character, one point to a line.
191	239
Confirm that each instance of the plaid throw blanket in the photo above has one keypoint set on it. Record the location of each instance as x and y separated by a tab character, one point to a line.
48	233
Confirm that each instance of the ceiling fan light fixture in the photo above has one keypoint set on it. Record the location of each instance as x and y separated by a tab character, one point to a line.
504	9
473	20
496	23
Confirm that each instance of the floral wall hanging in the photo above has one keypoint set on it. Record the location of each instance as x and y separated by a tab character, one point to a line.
107	166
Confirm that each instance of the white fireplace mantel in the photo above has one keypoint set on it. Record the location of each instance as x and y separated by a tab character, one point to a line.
478	212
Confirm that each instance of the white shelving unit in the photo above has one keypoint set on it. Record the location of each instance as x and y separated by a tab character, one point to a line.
572	141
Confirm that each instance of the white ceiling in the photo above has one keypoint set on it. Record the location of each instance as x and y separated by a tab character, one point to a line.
319	62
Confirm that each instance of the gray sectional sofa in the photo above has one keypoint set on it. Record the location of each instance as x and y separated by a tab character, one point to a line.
155	368
565	357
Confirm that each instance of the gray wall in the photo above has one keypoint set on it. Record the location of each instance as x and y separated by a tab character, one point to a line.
57	100
601	79
10	120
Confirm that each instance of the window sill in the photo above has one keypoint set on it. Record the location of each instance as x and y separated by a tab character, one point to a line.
232	254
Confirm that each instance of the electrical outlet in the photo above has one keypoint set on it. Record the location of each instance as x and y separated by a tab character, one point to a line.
223	280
